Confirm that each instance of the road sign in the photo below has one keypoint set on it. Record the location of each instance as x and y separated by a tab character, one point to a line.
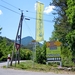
17	46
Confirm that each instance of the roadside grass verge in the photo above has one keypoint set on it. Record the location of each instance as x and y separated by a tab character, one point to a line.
31	66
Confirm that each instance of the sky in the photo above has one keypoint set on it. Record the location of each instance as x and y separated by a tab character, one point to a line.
9	20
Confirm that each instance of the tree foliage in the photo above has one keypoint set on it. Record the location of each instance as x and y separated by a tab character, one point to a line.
0	30
70	12
64	26
61	26
5	48
25	54
66	55
41	54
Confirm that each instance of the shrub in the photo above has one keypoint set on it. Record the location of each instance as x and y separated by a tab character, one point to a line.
25	54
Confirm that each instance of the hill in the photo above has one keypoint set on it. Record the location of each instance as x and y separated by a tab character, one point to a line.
26	40
8	41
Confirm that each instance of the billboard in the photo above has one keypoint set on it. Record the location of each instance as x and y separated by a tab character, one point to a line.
39	22
53	49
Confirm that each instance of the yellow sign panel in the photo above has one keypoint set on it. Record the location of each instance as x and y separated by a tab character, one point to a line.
53	43
39	22
48	44
57	43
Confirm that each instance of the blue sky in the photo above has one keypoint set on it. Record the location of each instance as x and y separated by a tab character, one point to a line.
9	20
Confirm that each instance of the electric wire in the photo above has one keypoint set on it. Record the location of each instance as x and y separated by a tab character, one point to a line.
19	9
10	9
38	19
28	27
37	13
25	10
10	4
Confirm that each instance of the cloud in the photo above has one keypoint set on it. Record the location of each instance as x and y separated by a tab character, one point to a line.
1	12
48	9
35	6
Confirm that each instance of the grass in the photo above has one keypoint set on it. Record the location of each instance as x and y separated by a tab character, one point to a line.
30	66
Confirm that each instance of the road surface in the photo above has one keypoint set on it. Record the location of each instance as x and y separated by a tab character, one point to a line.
8	71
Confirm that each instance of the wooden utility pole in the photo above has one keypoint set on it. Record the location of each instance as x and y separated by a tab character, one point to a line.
17	42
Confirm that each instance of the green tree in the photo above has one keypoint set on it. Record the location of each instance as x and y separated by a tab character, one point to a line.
25	54
61	26
0	30
66	55
41	53
5	49
70	12
44	51
38	54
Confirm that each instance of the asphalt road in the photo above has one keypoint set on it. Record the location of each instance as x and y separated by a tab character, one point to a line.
8	71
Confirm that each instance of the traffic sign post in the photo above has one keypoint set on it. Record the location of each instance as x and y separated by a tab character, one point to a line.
17	46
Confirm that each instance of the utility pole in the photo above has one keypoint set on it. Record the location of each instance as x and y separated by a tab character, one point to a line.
17	42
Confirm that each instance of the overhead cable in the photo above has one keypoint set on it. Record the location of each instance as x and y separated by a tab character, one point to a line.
10	9
10	4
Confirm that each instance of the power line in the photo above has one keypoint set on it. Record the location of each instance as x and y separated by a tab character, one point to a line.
37	13
10	9
20	9
38	19
20	14
10	4
28	27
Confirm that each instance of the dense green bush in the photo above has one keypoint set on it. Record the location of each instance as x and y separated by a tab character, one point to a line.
66	55
5	49
25	54
41	54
